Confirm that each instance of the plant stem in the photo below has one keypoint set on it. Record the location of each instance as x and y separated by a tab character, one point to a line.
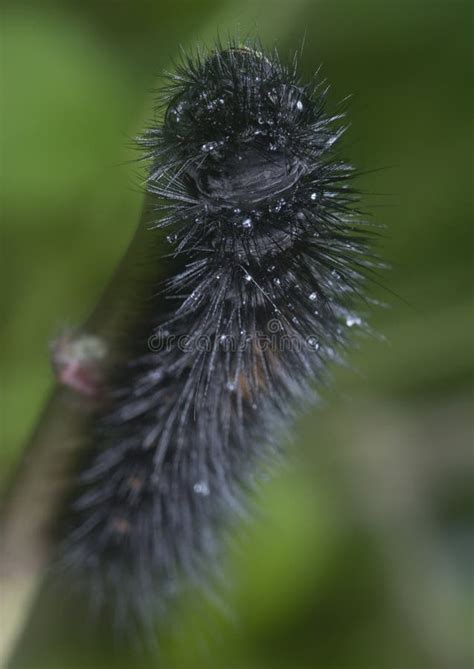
44	475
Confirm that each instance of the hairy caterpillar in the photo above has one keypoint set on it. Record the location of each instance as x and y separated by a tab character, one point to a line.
268	259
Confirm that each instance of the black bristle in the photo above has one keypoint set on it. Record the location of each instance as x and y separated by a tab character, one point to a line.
271	259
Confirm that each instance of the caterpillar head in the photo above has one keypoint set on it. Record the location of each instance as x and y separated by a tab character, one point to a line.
241	122
242	149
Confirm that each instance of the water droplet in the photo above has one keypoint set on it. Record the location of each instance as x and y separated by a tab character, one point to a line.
230	385
177	112
314	196
276	281
353	320
313	343
171	239
237	210
210	146
279	205
313	296
201	488
247	277
247	223
295	320
299	105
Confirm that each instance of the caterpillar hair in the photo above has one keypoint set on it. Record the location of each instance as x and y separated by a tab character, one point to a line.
267	261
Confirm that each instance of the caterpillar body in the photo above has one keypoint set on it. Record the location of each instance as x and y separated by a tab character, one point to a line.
268	260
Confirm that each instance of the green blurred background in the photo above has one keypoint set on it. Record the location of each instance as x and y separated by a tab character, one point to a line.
360	557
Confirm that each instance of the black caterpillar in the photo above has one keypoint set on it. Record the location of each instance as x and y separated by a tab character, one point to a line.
268	259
